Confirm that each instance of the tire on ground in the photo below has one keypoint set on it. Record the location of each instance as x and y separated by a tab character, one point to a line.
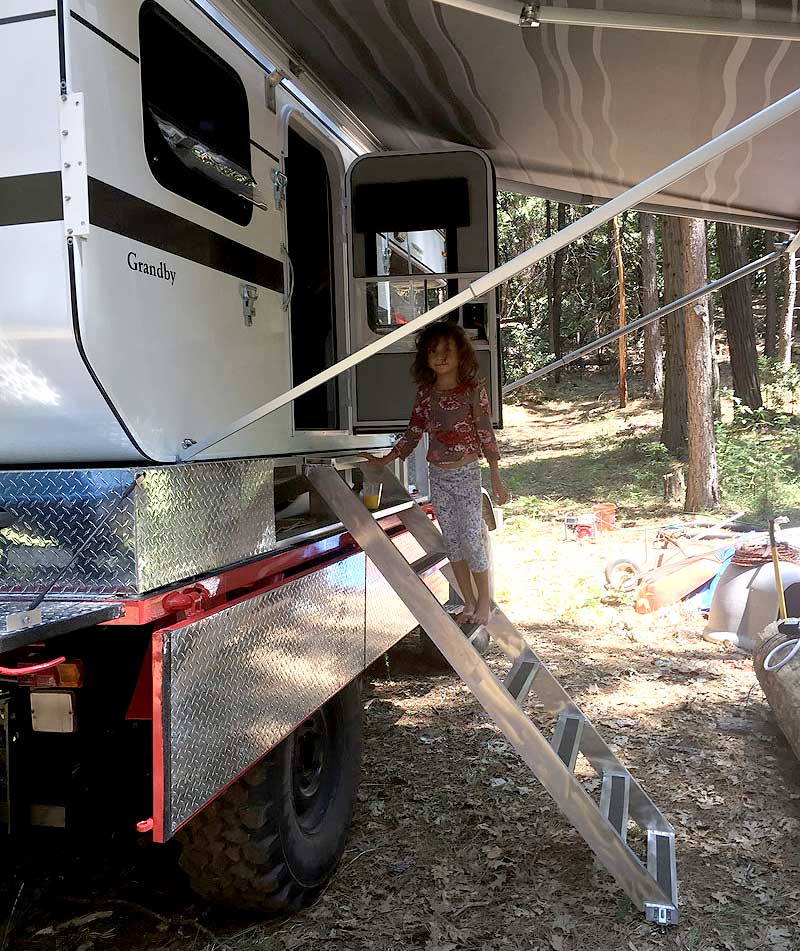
622	574
273	839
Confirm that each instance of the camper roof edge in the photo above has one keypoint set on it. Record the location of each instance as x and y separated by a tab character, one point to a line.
272	51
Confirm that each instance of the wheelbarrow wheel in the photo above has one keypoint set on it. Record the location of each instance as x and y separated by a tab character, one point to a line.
622	574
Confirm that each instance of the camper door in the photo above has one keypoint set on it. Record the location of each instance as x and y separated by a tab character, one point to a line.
422	227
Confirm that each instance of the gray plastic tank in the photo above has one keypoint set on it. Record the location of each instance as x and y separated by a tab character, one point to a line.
746	601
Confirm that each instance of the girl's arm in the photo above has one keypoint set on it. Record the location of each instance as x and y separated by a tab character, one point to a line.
416	427
483	425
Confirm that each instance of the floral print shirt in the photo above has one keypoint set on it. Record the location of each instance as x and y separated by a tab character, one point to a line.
458	422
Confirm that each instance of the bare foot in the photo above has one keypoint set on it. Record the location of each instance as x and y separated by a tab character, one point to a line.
464	616
481	613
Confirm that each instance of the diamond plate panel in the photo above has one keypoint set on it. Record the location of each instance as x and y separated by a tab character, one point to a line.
55	511
237	682
180	521
58	617
191	519
388	620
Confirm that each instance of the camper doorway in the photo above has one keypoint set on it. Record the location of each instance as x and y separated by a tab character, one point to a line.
315	311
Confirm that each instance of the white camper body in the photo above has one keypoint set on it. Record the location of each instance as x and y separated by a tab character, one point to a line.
147	303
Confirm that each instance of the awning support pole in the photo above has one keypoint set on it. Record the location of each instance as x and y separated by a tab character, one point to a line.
647	319
533	15
656	183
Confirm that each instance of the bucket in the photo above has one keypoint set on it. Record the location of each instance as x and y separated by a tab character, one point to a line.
605	514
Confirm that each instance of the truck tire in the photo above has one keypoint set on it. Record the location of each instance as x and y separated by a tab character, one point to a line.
273	839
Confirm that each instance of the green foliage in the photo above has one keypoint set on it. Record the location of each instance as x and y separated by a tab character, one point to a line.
780	383
524	351
758	454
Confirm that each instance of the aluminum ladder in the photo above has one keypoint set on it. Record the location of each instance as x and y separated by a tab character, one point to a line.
652	884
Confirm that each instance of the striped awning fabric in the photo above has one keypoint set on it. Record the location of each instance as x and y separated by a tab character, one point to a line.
572	112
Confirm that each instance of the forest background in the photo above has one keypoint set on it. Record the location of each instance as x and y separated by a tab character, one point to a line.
721	370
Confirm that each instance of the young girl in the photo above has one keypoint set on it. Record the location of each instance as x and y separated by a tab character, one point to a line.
453	408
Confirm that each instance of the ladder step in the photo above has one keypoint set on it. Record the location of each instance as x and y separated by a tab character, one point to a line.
661	861
422	565
520	678
567	738
614	797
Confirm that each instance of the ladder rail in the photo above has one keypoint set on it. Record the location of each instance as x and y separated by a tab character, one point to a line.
546	687
533	748
593	746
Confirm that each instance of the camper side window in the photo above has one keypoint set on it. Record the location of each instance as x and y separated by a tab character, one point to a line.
195	118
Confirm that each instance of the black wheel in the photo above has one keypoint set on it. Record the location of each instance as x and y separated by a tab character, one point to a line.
272	840
622	574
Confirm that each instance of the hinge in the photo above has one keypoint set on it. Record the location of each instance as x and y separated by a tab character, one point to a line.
74	174
271	83
279	182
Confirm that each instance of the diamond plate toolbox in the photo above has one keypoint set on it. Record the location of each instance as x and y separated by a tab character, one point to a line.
140	529
231	685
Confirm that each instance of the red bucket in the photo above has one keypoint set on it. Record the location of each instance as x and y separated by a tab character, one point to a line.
605	514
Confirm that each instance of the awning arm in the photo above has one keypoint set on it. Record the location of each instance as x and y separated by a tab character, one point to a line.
533	14
656	183
653	316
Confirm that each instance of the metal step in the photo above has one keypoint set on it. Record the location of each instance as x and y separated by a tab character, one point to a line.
614	801
652	886
428	562
520	678
661	865
567	739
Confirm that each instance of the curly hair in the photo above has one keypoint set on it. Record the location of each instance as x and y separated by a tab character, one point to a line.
429	338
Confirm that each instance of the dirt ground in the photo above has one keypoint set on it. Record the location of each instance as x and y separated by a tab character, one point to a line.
455	845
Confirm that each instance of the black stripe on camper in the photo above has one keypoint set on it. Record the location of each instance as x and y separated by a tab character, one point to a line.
22	17
137	219
62	47
265	151
26	199
104	36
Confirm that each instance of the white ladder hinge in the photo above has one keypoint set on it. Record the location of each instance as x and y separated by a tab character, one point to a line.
74	174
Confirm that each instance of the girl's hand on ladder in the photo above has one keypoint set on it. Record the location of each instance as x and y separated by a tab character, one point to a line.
379	460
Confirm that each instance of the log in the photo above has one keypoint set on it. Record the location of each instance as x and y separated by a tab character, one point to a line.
781	687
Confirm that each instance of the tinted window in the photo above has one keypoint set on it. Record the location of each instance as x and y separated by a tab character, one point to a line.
196	123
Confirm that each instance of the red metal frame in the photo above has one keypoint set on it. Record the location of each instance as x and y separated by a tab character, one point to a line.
255	577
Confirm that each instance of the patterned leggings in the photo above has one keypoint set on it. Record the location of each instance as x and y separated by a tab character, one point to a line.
456	497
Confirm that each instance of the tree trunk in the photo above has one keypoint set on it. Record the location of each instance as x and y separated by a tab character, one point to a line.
622	342
771	326
557	291
786	328
737	304
702	484
653	351
674	426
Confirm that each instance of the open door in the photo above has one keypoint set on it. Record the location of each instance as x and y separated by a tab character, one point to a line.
422	227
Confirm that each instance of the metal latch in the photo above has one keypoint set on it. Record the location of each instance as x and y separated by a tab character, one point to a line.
249	297
279	181
529	15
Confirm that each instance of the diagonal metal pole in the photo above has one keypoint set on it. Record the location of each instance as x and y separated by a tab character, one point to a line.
743	132
650	318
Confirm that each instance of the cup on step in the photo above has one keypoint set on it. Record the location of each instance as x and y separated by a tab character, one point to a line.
372	495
